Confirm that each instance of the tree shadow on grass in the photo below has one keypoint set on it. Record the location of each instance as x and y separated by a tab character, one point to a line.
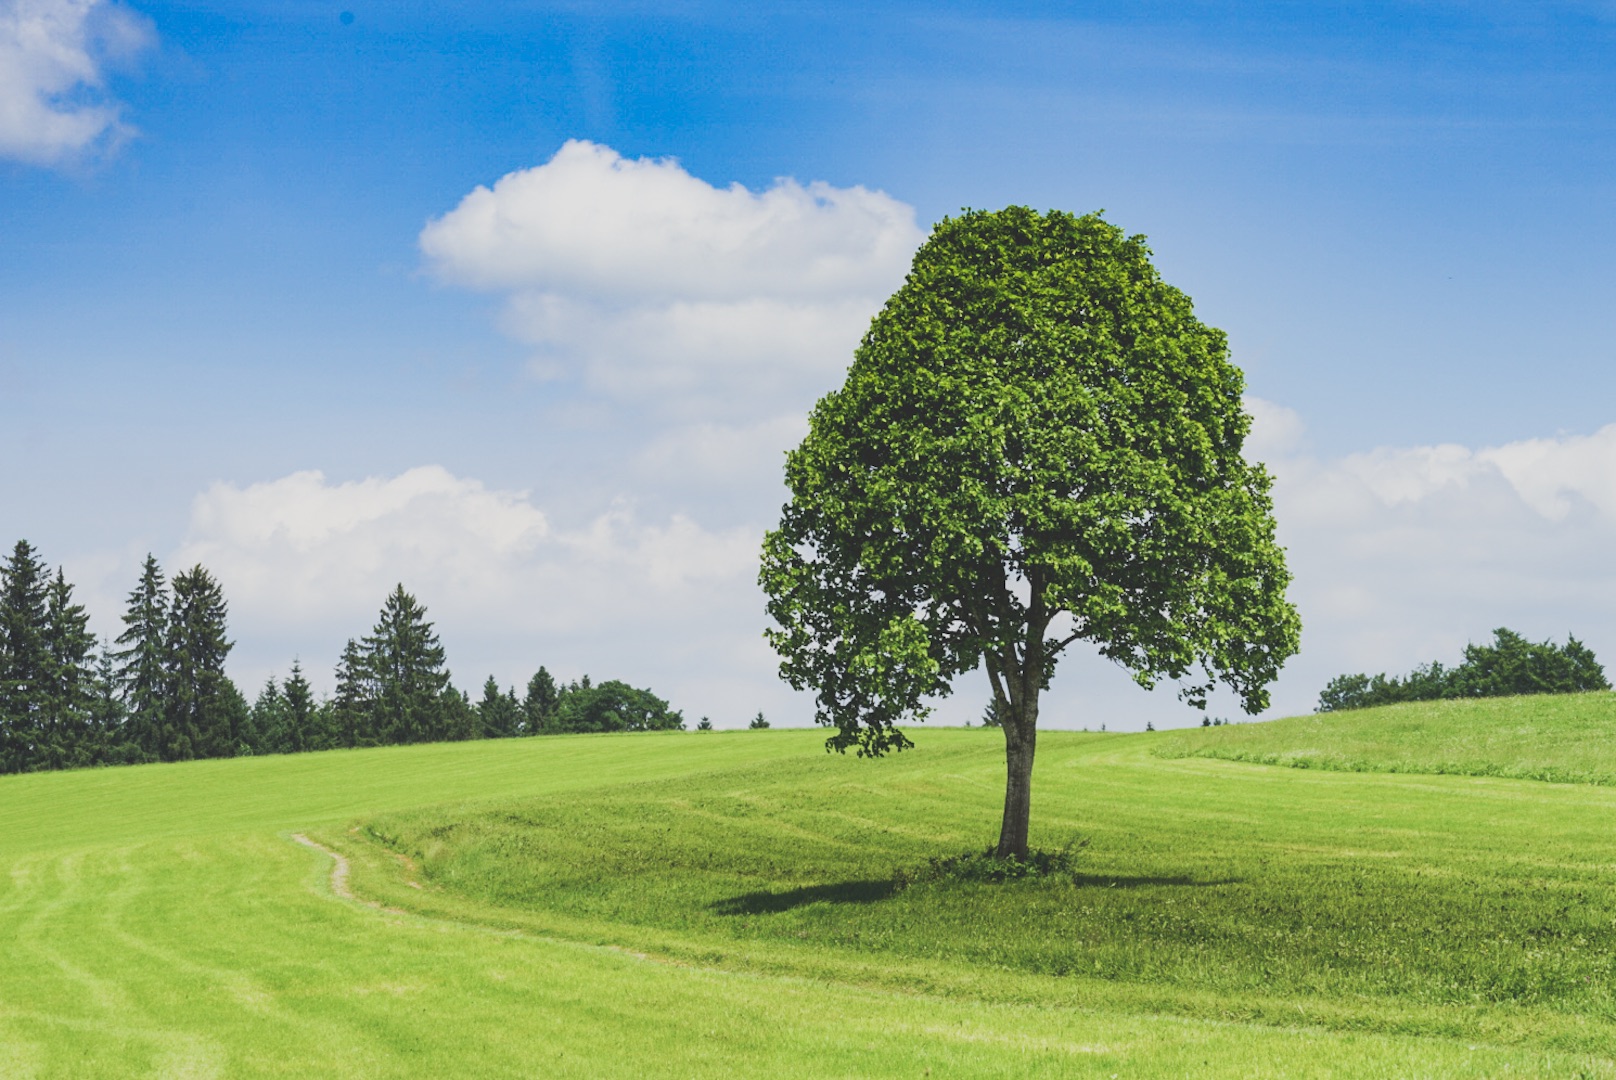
843	892
872	891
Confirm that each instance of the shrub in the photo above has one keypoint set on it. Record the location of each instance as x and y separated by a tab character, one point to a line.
984	866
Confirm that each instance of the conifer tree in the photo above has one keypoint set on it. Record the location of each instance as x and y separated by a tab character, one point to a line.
24	659
268	716
143	663
405	659
109	743
460	717
302	715
538	709
352	711
202	718
67	693
498	714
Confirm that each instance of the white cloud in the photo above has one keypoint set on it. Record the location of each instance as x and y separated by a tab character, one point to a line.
590	222
1553	475
306	563
662	289
749	455
301	547
1402	555
52	56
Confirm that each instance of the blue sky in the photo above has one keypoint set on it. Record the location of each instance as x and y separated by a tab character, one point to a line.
1401	213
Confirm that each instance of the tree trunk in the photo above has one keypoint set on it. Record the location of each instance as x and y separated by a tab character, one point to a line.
1020	740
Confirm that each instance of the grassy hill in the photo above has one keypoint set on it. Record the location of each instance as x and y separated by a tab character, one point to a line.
744	904
1563	738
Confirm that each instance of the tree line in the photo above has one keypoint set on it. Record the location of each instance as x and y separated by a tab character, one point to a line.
1510	665
159	692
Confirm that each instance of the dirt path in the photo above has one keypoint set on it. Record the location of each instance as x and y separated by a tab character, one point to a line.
339	886
339	873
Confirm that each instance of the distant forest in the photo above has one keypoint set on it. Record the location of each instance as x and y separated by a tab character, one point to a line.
159	692
1510	665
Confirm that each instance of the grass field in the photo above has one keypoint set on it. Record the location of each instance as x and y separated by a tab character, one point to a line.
743	904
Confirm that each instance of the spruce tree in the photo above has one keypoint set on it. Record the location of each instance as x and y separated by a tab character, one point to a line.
460	717
302	714
202	718
143	663
68	694
407	662
513	708
498	714
24	658
268	716
538	709
109	738
352	711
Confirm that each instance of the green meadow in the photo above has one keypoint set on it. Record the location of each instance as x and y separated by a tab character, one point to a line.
1390	893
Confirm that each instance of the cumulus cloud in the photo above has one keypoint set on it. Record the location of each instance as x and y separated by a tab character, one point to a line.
307	562
52	59
591	222
658	287
1404	554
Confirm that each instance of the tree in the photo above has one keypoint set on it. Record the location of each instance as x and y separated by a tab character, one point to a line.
268	716
143	662
704	724
303	716
1037	444
204	712
67	701
352	710
538	708
612	706
1514	665
403	657
499	714
759	722
459	715
1510	665
25	663
109	738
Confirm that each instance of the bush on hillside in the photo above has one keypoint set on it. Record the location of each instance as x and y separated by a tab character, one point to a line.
611	706
1510	665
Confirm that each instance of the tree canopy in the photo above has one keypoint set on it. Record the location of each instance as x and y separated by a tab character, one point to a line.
1037	444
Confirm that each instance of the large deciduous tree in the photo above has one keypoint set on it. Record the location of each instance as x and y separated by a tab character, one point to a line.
1038	444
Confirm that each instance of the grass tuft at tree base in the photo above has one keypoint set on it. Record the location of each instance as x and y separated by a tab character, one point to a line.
984	866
